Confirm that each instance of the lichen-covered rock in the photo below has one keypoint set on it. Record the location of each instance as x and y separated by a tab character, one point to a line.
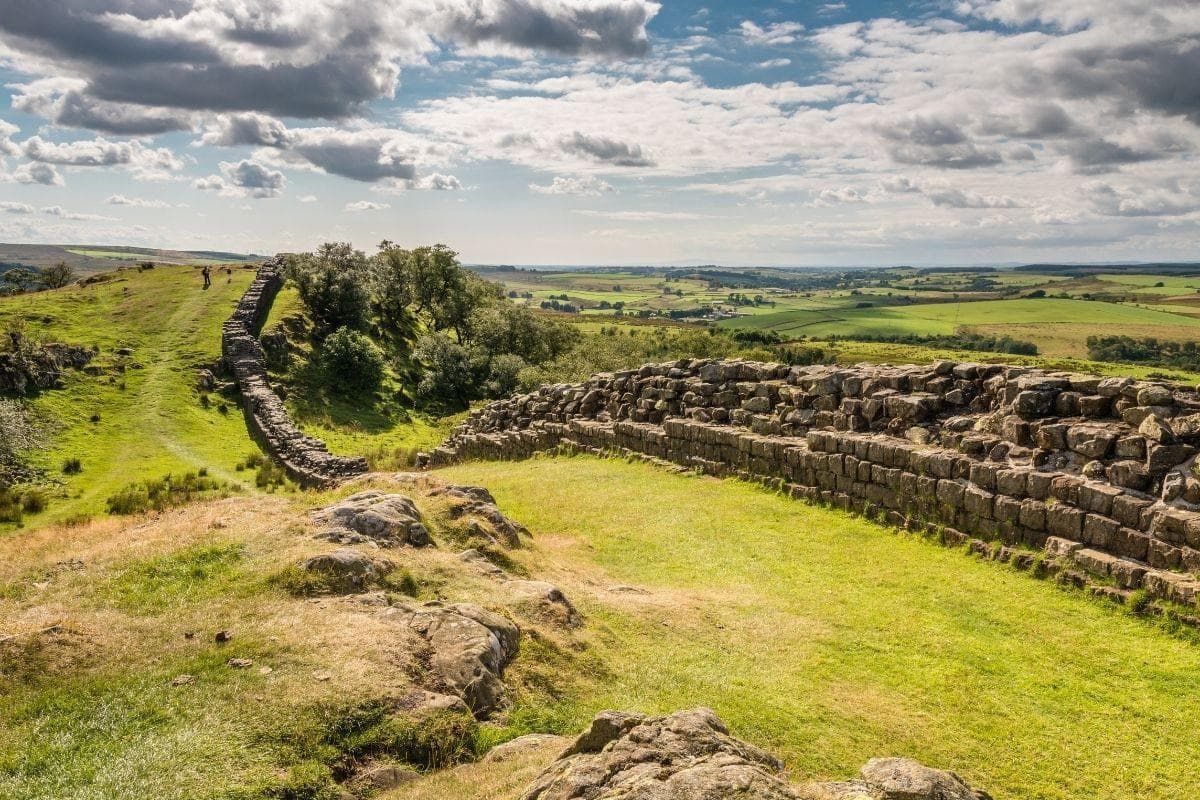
476	501
346	571
388	520
905	779
544	600
469	649
688	755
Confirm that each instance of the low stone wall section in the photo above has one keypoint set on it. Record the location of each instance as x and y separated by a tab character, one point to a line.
307	460
1095	472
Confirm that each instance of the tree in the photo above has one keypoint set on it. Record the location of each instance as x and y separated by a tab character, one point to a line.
452	375
56	276
353	364
332	285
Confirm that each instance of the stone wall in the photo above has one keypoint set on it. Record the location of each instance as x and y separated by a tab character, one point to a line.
306	459
1095	472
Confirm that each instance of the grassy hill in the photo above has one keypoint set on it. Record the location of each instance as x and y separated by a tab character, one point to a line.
141	417
821	636
90	258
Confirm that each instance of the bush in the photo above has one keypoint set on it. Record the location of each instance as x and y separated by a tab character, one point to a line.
352	362
72	466
166	492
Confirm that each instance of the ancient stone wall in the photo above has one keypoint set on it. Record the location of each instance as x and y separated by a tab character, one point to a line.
306	459
1095	472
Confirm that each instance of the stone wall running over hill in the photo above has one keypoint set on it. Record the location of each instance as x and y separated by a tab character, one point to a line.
1096	472
306	459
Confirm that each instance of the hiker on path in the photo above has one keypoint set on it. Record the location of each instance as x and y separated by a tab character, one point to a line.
207	273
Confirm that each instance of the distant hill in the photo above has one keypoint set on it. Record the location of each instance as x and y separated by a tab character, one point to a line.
88	258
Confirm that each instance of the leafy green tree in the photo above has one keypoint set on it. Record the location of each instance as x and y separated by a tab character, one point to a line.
353	364
452	374
56	276
332	284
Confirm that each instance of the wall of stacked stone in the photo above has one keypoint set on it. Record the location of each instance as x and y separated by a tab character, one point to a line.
1096	471
307	460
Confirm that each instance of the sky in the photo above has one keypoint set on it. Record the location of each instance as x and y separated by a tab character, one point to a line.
608	131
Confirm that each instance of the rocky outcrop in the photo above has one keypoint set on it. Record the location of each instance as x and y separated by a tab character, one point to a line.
29	368
1003	458
469	649
307	460
689	755
387	520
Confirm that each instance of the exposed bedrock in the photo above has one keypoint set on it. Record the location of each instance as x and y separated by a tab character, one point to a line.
1098	471
689	755
307	460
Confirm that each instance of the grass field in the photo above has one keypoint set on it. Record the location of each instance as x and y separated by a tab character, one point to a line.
1059	327
149	420
830	640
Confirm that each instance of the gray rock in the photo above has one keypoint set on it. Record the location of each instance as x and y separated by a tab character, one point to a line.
688	755
522	744
905	779
470	647
387	519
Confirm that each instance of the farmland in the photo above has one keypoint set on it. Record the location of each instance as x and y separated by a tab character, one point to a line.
1056	313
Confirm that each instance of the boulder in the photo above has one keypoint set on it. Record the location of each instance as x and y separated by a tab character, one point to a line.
388	520
905	779
1092	441
470	647
347	571
685	755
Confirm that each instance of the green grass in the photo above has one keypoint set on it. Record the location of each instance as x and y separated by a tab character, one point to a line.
149	419
115	254
832	640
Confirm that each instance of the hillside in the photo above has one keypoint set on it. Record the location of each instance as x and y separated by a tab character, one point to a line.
260	642
135	416
90	258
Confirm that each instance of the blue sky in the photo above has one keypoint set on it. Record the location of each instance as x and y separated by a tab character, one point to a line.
608	131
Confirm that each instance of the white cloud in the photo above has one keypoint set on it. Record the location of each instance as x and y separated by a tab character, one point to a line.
581	185
10	207
366	205
307	198
776	33
44	174
643	216
244	178
135	202
60	212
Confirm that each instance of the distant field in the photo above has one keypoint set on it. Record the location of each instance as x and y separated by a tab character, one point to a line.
87	259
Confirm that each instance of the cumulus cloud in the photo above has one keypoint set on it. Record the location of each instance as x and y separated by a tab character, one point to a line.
366	205
300	59
10	207
62	213
135	202
605	150
776	33
643	216
951	197
244	178
63	101
580	186
43	174
146	162
7	146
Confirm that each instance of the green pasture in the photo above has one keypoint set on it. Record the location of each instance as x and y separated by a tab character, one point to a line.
830	639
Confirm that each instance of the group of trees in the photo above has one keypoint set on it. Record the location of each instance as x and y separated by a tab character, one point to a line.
419	305
21	279
1150	350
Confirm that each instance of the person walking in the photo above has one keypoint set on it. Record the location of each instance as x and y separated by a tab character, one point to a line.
207	273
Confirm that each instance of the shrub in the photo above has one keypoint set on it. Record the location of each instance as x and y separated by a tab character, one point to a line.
166	492
452	373
352	362
34	501
72	466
